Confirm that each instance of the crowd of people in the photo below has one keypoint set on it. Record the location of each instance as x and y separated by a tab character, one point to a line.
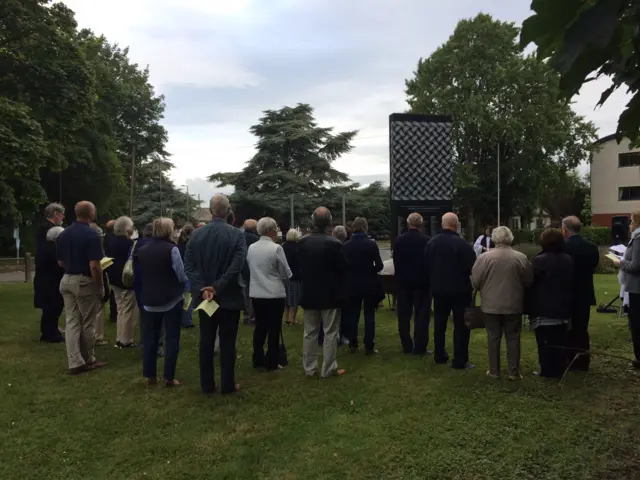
332	273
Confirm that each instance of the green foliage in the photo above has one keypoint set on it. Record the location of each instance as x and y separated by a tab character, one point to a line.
605	266
601	236
587	40
499	98
585	214
564	194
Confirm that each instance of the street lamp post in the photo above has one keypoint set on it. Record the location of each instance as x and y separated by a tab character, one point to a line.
499	184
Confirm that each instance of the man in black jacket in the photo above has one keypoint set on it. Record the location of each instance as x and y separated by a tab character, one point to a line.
251	236
412	286
449	260
322	267
585	260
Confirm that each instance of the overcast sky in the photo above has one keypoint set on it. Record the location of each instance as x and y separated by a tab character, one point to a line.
219	63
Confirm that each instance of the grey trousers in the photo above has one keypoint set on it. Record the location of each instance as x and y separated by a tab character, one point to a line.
329	321
81	300
511	326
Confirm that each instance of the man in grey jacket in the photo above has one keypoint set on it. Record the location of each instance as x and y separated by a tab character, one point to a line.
214	259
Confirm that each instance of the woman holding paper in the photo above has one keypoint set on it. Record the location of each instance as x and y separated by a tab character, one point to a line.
268	270
163	285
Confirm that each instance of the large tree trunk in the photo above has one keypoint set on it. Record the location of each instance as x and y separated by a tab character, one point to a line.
471	228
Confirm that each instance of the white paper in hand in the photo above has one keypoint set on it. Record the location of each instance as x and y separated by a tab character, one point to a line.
207	306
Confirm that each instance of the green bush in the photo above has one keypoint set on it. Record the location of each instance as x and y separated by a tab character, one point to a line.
27	240
605	265
599	235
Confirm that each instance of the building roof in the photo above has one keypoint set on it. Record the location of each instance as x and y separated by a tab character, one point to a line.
606	139
202	215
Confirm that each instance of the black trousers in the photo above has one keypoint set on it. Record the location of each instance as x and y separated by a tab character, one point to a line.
634	324
49	322
416	302
443	305
113	308
552	356
268	314
578	338
226	323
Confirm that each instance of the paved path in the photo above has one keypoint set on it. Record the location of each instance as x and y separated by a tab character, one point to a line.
385	254
11	277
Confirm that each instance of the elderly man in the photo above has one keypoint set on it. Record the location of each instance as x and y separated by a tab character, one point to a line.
250	227
46	283
500	276
323	267
214	259
585	260
412	286
449	260
82	288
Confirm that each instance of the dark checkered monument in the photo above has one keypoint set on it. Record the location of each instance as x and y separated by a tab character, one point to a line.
420	157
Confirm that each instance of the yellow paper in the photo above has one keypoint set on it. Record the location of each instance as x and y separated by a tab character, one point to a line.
106	262
187	300
612	257
207	306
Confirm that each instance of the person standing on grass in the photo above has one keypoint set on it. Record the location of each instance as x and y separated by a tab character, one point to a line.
412	286
163	285
185	235
630	279
449	260
269	271
99	323
323	267
251	236
214	259
120	248
549	302
294	284
79	253
113	308
500	276
46	282
364	287
585	257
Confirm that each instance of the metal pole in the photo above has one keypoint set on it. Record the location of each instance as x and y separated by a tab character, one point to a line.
291	221
133	166
499	184
344	213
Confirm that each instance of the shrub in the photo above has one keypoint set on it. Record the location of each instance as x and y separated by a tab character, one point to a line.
604	266
599	235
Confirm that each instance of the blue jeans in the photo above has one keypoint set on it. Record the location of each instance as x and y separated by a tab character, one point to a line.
354	305
152	328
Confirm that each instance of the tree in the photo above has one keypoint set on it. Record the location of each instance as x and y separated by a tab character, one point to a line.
585	214
294	157
587	40
502	99
564	195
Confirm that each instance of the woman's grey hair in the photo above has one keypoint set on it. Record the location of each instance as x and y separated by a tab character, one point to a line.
415	220
340	233
360	225
267	225
162	227
219	205
123	226
53	208
53	233
502	236
293	235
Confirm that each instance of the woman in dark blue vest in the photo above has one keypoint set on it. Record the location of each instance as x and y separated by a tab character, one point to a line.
163	285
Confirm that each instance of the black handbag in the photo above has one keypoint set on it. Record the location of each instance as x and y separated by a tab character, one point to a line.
473	316
282	352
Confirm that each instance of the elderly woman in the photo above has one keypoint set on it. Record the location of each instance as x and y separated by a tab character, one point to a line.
340	233
119	247
501	275
549	302
269	269
294	285
630	280
163	284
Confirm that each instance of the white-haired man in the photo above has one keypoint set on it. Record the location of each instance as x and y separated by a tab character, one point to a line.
46	283
412	286
214	259
449	262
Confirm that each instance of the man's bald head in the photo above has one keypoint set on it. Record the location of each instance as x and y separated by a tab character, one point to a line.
322	218
85	211
250	225
450	221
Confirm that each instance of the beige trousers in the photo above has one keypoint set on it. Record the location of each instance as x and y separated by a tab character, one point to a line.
81	299
330	321
127	312
99	324
511	326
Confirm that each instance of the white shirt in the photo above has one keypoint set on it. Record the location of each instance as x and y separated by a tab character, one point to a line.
268	268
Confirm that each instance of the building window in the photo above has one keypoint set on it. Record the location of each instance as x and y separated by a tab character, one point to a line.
629	159
628	193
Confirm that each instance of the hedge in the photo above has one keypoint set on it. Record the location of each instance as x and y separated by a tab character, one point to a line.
599	235
605	265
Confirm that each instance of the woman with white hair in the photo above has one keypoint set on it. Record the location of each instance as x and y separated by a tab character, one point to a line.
268	271
500	276
119	247
294	284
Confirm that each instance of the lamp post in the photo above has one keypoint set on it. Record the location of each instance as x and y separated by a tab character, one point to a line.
188	204
498	183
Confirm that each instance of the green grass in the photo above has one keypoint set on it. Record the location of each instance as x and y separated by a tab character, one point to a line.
389	417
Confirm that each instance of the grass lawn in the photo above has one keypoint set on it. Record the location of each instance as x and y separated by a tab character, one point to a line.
389	417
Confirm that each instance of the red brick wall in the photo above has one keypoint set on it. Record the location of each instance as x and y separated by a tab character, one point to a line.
604	219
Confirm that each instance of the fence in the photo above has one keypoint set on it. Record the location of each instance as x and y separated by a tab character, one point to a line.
23	265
